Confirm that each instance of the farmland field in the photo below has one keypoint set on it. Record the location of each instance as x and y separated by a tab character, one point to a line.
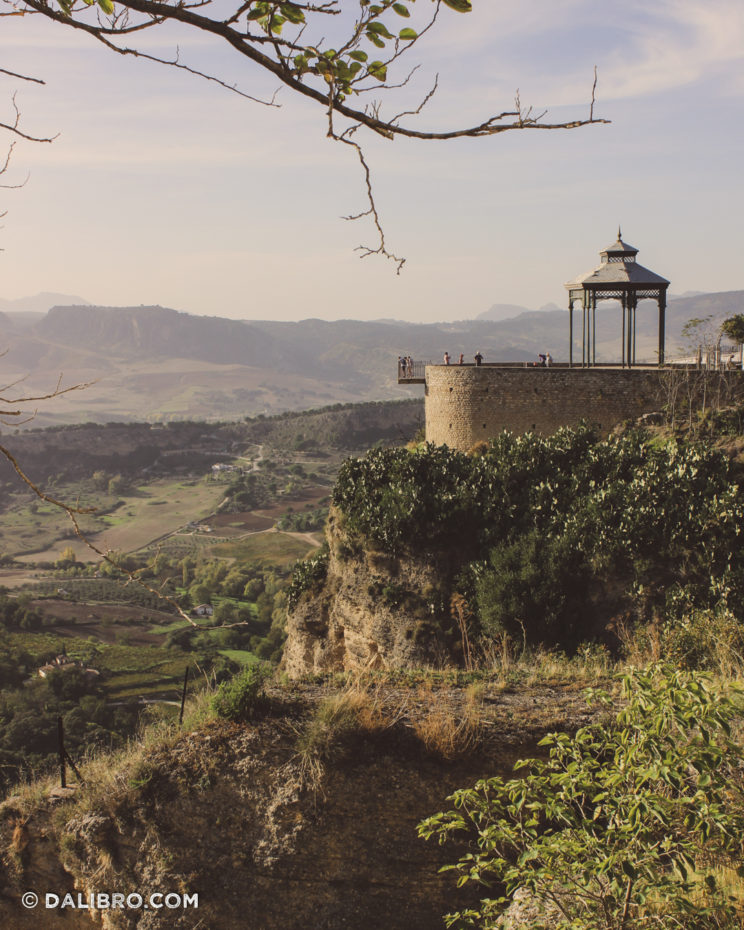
153	511
266	549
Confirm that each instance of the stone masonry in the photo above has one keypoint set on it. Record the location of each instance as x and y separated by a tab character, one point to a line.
465	404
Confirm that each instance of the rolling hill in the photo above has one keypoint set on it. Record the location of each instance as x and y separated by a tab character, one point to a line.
156	363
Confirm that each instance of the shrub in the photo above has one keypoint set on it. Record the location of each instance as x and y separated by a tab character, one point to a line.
243	696
617	829
308	575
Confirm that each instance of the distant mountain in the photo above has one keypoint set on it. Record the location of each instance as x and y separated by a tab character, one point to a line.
40	303
502	312
155	363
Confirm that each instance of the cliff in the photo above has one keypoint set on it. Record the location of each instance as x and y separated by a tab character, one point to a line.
267	831
372	611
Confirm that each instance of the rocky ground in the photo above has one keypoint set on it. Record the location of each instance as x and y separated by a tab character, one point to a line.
274	833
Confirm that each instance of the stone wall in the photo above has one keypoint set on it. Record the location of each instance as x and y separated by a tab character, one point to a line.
465	404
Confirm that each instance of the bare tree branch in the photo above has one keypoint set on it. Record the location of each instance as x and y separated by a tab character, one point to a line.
286	40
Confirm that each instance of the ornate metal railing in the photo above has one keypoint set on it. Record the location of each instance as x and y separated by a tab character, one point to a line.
412	370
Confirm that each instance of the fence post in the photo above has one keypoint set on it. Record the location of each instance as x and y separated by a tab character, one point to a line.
183	695
61	750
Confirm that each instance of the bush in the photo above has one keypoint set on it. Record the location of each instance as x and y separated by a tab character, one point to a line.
573	526
618	828
308	575
243	697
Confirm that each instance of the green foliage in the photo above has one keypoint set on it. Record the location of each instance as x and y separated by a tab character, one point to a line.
529	585
243	696
308	575
564	520
733	327
616	830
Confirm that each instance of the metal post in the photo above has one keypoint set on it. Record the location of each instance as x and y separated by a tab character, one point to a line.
662	315
634	335
583	333
61	751
594	327
570	333
183	695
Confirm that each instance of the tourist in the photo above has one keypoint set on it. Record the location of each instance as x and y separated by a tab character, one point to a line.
542	358
478	359
446	358
548	360
461	359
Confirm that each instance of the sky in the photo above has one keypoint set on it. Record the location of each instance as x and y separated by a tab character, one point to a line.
161	188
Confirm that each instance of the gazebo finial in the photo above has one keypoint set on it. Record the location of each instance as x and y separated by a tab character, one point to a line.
619	233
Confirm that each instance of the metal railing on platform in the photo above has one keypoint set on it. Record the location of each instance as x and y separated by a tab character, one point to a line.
718	357
412	370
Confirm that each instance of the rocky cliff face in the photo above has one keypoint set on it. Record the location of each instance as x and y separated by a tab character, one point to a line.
373	611
227	817
231	813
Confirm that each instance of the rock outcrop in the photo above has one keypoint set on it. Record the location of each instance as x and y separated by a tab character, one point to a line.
372	611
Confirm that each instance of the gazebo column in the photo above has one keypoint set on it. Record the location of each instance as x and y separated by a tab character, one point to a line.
594	327
622	338
629	329
662	314
635	305
583	332
570	333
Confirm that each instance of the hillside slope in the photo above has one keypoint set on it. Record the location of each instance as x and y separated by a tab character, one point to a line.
232	813
156	363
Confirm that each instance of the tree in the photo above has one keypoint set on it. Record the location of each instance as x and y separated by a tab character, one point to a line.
619	828
287	39
733	327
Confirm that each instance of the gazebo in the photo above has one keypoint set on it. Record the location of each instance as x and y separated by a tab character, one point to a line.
619	277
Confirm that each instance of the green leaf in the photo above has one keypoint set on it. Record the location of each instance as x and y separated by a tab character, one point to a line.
292	13
461	6
401	10
359	55
379	29
408	34
378	70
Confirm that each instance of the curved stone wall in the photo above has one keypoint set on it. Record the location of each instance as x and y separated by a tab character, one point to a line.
465	404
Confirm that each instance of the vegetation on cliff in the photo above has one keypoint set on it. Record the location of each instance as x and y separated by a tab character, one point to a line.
550	539
626	825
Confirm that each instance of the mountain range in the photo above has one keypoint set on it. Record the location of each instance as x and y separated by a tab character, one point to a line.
156	363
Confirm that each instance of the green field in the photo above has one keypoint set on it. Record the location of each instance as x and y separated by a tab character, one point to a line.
150	512
240	655
265	549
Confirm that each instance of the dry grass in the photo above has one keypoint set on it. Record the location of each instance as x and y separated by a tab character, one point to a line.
357	710
446	735
338	720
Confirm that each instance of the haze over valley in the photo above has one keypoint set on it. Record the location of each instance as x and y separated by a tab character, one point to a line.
155	363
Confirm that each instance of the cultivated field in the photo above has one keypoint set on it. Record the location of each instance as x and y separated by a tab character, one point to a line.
151	512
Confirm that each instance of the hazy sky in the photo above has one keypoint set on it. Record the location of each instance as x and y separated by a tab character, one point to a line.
163	189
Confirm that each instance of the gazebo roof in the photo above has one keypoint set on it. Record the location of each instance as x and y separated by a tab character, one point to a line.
619	247
617	273
619	270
